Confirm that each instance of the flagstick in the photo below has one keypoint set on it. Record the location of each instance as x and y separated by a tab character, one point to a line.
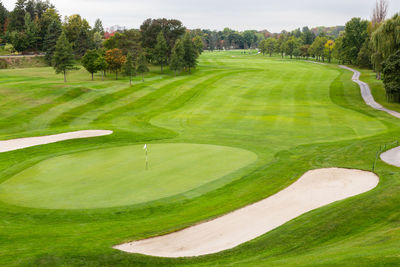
147	163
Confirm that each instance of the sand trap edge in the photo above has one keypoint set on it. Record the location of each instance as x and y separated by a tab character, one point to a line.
20	143
251	221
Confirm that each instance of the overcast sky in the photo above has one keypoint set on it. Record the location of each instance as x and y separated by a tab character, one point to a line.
273	15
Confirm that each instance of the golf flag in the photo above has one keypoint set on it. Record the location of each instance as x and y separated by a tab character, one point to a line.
145	146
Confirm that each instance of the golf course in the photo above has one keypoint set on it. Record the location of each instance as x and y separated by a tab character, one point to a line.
240	129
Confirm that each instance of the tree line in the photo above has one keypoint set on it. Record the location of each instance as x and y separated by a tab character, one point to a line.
373	44
36	26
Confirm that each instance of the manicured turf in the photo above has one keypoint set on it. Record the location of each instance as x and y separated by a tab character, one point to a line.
293	115
118	176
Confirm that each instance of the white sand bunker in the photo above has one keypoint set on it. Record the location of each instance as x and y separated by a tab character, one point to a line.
14	144
314	189
392	157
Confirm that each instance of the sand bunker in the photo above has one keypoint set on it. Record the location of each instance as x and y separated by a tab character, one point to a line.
392	157
314	189
14	144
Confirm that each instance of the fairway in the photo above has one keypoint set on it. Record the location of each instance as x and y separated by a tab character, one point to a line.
117	176
238	130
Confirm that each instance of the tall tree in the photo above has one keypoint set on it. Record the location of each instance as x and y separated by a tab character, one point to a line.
98	27
3	19
17	17
291	45
130	67
271	44
74	26
115	60
338	51
53	33
31	32
385	41
354	38
101	65
391	77
329	46
83	42
317	48
380	11
89	61
48	17
177	57
161	51
249	38
63	58
172	29
190	55
198	44
307	36
128	41
142	65
262	47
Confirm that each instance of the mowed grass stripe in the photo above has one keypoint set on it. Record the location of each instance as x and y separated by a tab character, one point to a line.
122	99
156	100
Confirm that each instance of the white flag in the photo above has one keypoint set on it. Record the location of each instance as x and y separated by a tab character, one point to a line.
145	146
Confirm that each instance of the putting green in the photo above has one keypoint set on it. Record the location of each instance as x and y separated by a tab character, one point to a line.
117	176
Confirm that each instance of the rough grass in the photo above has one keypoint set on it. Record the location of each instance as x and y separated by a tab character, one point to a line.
293	115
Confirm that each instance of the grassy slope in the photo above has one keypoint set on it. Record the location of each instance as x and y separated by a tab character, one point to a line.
295	116
377	89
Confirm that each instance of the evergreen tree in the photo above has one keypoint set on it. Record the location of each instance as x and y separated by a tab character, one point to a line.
89	61
53	33
98	27
130	67
190	55
177	60
142	65
97	40
3	19
83	43
17	17
47	18
63	58
31	32
161	51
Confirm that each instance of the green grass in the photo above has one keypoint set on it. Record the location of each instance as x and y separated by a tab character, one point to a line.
378	90
293	115
118	176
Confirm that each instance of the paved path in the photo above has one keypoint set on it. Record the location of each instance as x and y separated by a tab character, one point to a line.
367	95
392	156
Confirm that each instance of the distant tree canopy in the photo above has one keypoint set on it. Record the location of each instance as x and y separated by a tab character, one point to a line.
171	28
35	26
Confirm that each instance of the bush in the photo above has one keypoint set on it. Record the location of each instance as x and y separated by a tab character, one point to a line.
391	79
